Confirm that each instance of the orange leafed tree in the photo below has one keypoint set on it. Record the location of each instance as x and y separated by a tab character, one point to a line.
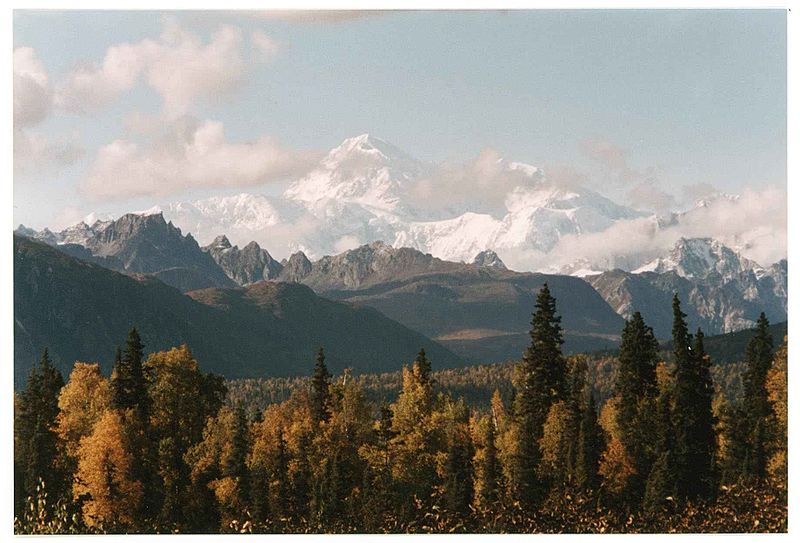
82	402
103	476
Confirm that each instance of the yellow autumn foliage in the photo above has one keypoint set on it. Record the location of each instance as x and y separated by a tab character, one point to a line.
82	401
103	475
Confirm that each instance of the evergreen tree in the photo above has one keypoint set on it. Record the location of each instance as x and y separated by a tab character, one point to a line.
590	447
457	478
706	421
543	369
301	479
130	389
661	478
693	419
490	468
423	366
320	390
576	399
235	463
281	477
35	429
636	387
756	404
128	380
259	493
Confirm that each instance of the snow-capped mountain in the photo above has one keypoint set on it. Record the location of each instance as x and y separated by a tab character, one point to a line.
364	170
721	290
489	259
365	190
699	258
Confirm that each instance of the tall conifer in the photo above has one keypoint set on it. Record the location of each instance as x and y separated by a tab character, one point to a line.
692	416
756	399
320	390
543	383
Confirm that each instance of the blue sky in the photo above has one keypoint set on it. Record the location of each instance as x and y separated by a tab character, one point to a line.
684	100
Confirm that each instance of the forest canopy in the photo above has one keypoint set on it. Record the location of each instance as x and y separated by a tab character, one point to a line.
638	442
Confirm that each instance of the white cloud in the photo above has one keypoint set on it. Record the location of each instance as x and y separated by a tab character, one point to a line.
479	185
648	196
754	224
178	65
265	47
36	154
608	154
189	155
642	187
32	92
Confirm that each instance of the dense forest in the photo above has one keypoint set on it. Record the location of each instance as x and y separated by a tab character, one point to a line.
630	443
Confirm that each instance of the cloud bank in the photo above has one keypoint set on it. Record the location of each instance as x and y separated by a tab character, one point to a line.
189	154
178	65
754	223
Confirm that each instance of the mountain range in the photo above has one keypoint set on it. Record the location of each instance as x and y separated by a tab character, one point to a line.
82	311
444	271
480	311
720	290
367	190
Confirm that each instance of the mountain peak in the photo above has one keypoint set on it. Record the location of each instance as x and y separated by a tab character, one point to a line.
365	150
697	258
489	259
221	242
296	268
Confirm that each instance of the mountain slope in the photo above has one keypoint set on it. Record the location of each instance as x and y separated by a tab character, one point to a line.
142	243
719	290
245	266
481	313
82	311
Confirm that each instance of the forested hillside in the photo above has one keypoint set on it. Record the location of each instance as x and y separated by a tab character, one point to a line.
81	311
162	446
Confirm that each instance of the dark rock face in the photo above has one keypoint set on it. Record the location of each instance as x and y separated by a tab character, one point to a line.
296	268
716	305
370	265
144	244
148	244
245	266
81	311
489	259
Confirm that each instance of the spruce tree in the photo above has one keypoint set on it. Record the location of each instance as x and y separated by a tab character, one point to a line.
660	483
282	476
756	404
235	463
128	381
320	390
301	480
491	471
423	367
458	474
35	431
692	416
706	421
590	447
636	388
543	383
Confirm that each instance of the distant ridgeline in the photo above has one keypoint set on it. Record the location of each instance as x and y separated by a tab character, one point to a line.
476	310
477	383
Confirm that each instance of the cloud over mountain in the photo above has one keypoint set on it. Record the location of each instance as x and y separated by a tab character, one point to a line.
188	154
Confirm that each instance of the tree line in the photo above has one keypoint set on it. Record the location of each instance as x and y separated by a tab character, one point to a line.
155	448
